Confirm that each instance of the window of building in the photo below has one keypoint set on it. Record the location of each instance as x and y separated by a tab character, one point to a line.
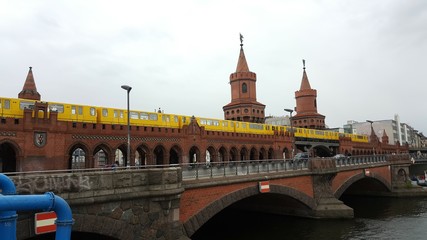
244	88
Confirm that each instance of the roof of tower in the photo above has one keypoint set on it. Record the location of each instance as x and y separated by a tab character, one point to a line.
29	91
242	65
305	84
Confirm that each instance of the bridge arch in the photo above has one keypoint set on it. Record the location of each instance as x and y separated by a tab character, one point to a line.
175	155
213	156
359	177
209	211
243	153
234	154
222	154
194	154
102	154
9	156
159	155
144	155
75	157
253	154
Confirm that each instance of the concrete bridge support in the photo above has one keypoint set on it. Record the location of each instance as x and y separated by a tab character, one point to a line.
122	204
326	204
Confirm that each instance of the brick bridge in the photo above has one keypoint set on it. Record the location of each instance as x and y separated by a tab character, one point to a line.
174	202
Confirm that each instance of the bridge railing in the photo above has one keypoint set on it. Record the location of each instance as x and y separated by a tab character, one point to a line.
240	168
360	160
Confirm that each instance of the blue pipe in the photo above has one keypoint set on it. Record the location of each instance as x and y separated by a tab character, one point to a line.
44	202
7	218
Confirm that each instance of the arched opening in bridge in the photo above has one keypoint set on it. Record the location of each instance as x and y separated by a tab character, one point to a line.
246	214
194	154
101	156
210	155
78	159
141	156
243	154
159	153
174	155
121	155
7	157
254	154
222	154
261	154
321	151
233	154
270	153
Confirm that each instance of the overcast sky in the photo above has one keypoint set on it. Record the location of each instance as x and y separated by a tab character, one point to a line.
365	58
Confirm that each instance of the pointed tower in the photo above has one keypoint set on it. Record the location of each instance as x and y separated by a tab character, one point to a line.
243	106
384	138
29	91
306	101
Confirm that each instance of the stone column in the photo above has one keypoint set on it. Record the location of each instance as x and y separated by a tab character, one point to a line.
327	206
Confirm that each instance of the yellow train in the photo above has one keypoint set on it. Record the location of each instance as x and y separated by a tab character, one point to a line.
14	108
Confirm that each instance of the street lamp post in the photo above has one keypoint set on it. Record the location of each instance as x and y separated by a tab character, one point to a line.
372	132
128	88
290	111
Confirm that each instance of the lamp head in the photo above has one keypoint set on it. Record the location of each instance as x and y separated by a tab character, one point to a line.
127	88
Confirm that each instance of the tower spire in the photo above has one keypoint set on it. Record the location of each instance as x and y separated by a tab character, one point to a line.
244	105
242	65
305	84
306	101
29	90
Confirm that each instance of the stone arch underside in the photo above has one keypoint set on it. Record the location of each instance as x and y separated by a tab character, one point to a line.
103	225
204	215
338	193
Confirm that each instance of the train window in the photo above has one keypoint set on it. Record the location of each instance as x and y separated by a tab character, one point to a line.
203	122
225	124
56	108
237	124
215	122
143	116
6	104
184	119
80	108
116	114
26	105
92	111
73	109
134	115
243	125
121	114
175	118
232	124
165	118
153	116
105	112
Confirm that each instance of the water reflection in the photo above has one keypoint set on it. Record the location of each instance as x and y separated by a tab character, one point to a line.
375	218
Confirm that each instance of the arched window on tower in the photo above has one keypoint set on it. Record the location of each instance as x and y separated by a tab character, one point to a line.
244	88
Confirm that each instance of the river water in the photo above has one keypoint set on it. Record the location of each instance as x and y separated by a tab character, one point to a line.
375	218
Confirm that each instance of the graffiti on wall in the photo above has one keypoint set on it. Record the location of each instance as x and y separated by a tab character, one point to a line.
56	184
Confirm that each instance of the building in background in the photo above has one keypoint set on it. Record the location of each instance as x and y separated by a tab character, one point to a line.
396	131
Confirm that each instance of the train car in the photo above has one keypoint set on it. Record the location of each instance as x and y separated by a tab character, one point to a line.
211	124
359	138
14	107
74	112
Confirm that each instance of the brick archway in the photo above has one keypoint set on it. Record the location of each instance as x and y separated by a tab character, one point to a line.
192	224
338	193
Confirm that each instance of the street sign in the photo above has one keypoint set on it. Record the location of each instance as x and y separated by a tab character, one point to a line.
264	186
45	222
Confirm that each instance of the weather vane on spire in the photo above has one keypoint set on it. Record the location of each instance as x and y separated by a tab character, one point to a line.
303	63
241	39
